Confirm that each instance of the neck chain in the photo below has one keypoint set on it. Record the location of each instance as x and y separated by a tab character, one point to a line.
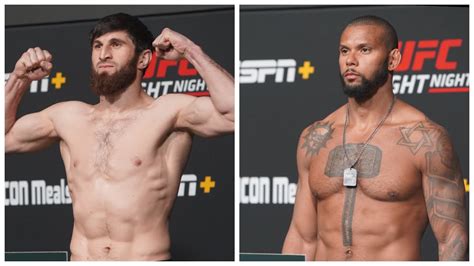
350	174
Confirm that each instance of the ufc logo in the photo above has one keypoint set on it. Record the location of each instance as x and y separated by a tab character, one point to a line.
414	54
161	68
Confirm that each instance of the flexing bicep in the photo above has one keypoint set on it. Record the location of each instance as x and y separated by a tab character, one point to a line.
302	233
201	117
30	133
444	195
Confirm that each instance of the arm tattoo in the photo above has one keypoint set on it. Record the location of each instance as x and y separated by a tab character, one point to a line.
445	198
318	135
456	250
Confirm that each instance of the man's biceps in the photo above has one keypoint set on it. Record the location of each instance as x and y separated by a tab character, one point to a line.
11	143
37	125
196	112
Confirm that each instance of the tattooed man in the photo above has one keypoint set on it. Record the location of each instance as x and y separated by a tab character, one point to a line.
373	173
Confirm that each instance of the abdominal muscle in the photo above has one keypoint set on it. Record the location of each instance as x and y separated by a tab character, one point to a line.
371	248
122	217
380	230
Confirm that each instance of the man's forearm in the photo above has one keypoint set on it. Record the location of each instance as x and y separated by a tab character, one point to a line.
455	246
297	244
14	91
219	82
300	248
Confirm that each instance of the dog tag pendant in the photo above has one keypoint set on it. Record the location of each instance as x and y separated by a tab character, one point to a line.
350	177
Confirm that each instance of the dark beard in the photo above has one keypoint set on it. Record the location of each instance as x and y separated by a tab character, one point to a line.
367	88
111	85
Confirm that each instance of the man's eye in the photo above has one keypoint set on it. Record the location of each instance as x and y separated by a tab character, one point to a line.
365	50
96	46
115	44
343	51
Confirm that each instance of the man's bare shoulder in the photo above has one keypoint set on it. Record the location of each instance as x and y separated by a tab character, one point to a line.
329	122
173	99
68	108
315	136
170	105
65	114
419	133
407	116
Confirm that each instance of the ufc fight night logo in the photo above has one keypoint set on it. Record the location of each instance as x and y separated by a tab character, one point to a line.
156	80
417	55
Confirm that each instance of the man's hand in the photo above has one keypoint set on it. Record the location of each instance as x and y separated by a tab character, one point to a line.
34	64
171	45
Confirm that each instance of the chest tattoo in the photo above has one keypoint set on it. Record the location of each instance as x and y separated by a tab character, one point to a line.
368	165
347	213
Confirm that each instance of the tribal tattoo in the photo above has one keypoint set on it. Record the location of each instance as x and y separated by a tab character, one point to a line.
445	198
444	191
456	250
318	135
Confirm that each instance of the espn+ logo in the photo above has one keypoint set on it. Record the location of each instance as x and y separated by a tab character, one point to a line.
278	70
257	71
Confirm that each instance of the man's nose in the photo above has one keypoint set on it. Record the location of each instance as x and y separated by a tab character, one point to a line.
351	59
105	53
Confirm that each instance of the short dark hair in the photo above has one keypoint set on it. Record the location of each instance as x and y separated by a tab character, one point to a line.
140	35
391	38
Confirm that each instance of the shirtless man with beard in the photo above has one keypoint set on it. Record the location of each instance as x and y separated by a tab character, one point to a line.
125	155
373	173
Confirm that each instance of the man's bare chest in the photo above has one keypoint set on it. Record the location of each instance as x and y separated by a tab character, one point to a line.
384	169
101	144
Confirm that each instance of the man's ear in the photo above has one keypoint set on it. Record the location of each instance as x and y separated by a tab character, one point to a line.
144	59
394	59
